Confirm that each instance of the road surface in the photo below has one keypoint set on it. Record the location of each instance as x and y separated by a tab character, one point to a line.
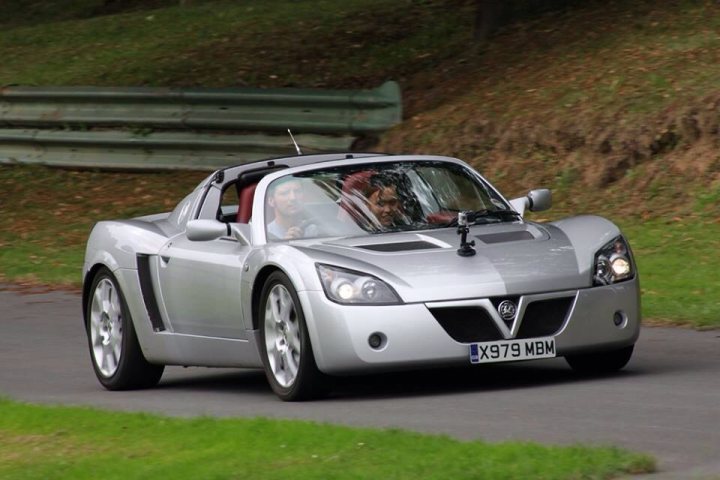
666	402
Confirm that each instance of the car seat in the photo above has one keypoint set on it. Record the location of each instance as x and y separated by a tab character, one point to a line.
245	203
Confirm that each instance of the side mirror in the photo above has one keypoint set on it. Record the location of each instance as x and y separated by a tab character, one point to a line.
204	230
535	201
540	199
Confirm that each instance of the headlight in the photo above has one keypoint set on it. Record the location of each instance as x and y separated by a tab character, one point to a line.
349	287
613	263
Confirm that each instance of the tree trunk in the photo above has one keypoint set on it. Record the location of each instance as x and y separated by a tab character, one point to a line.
488	16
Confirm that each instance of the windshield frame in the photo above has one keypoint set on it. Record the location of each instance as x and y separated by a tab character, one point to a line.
259	227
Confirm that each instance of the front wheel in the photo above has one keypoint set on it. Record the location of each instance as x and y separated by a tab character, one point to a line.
285	344
600	362
114	349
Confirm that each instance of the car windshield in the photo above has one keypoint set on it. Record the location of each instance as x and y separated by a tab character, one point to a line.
378	198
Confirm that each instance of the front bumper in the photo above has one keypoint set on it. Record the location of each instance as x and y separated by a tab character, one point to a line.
413	337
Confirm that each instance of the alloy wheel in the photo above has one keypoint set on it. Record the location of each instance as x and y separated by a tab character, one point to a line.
106	334
282	336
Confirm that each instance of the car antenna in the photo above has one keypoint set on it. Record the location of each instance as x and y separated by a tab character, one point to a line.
294	142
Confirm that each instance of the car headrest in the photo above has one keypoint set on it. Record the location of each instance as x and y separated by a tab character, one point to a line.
245	203
357	183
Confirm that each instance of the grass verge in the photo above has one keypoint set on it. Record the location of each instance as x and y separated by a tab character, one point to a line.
48	214
678	266
40	442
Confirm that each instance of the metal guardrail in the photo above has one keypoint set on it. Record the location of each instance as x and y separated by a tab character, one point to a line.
93	126
156	151
305	110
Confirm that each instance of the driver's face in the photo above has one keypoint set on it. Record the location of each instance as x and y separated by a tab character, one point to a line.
287	199
385	205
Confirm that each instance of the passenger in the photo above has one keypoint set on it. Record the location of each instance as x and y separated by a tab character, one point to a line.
373	201
384	201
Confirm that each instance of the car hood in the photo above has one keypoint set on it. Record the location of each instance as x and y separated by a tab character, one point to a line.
511	259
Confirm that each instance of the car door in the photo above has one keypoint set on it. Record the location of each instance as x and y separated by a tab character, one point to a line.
200	286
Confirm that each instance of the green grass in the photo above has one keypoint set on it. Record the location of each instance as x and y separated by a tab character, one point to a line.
40	442
640	59
28	262
48	214
679	264
228	43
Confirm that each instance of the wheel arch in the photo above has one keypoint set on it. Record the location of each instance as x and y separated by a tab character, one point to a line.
115	245
587	233
257	289
291	261
87	283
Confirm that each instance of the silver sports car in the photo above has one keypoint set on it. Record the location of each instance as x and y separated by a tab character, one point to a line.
319	265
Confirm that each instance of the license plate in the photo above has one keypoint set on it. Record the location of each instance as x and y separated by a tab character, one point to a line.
509	350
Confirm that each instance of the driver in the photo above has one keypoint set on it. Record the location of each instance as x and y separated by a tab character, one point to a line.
286	196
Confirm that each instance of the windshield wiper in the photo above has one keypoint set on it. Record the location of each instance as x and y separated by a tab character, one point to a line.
500	214
484	216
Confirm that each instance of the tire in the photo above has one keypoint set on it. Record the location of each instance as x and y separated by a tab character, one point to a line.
114	349
285	347
600	362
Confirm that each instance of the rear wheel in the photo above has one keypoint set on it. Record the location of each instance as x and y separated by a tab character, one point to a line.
285	344
114	349
600	362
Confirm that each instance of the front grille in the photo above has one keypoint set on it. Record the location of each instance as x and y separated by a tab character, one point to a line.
467	324
544	318
496	301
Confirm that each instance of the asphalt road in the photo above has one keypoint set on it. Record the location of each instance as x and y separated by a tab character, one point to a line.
666	402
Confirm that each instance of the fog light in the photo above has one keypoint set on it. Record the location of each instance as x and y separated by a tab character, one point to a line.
618	318
376	340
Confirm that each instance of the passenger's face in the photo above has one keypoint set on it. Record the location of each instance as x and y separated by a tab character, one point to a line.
385	205
287	199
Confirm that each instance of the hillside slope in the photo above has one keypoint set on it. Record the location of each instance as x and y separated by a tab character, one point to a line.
609	103
616	102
